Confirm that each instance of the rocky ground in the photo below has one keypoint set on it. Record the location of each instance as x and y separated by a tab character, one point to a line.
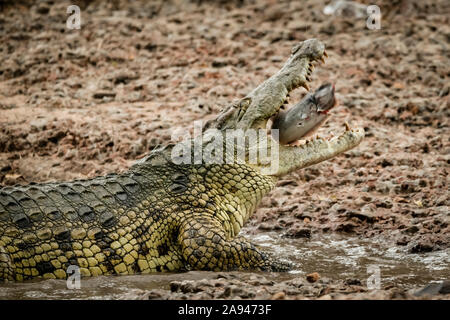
81	103
229	286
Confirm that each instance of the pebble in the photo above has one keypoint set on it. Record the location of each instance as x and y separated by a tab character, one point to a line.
312	277
278	296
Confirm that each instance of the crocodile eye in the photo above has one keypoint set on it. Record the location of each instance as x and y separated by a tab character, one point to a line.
245	103
243	106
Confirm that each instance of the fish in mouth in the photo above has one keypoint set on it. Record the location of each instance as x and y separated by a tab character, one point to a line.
303	119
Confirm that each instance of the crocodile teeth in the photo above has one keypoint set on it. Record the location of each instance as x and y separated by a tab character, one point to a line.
325	53
308	79
305	85
322	59
347	127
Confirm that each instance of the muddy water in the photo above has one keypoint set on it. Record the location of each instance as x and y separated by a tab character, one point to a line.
339	257
332	256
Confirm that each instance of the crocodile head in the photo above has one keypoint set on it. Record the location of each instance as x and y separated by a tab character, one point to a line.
264	103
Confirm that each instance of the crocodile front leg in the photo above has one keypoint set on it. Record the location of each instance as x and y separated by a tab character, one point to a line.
205	246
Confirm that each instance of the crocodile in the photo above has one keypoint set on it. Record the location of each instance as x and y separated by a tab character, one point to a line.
163	215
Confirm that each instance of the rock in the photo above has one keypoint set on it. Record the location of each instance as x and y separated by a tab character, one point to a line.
384	203
123	76
153	295
226	293
444	91
312	277
188	287
353	282
39	124
347	226
298	232
421	246
175	286
288	182
13	178
403	241
102	94
434	289
278	296
205	283
43	9
384	186
5	168
265	226
407	187
411	230
219	63
366	213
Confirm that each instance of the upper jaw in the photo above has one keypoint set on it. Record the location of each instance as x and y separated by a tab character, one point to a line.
253	111
262	103
266	100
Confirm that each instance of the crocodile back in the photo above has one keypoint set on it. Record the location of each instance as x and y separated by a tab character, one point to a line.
43	226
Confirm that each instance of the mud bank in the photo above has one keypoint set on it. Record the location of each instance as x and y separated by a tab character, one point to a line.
81	103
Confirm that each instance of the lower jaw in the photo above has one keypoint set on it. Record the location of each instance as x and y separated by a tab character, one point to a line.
316	150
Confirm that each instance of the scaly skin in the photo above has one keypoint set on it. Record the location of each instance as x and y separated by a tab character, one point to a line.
160	216
153	218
